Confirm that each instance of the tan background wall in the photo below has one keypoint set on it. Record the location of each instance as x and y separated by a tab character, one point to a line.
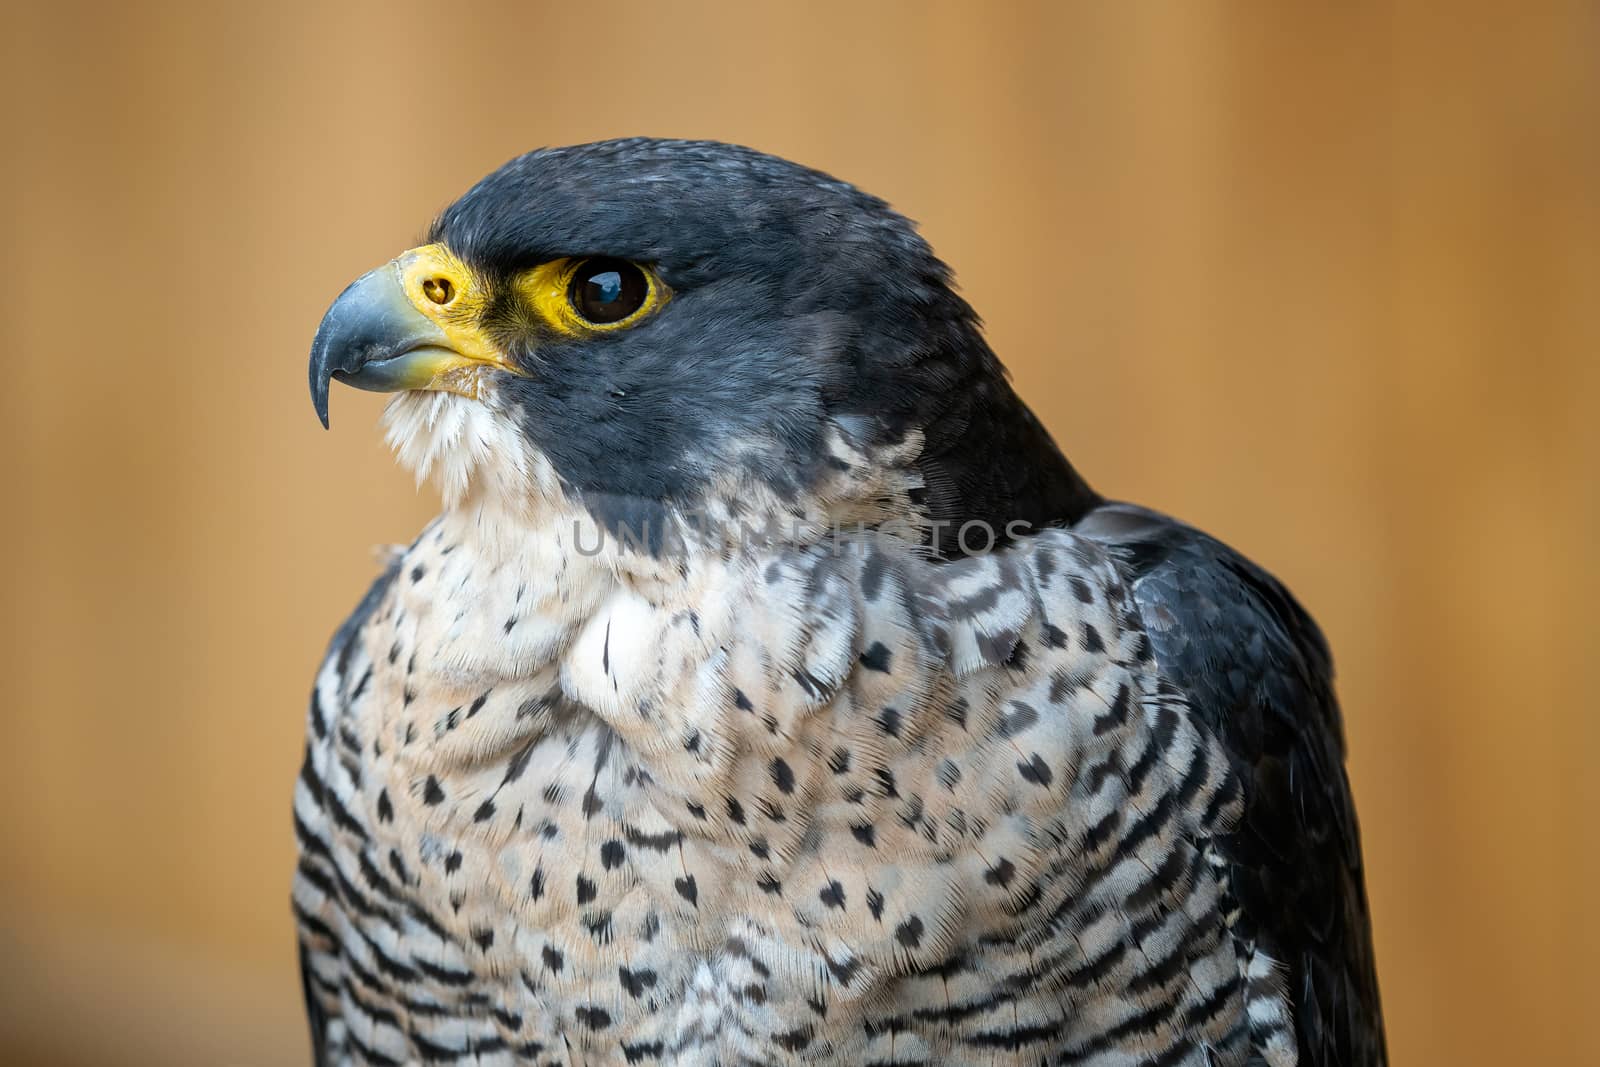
1322	280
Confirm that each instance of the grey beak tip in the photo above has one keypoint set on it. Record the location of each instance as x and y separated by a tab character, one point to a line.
362	333
319	393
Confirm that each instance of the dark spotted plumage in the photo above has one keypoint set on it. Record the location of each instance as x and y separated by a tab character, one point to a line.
851	791
1257	670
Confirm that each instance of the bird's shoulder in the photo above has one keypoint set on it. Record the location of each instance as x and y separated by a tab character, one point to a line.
1256	669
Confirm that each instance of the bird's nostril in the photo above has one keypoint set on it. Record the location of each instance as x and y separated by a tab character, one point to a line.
439	290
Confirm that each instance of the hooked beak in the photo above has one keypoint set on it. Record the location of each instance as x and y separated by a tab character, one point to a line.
376	337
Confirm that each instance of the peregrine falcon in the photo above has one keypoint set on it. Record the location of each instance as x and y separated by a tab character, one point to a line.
771	689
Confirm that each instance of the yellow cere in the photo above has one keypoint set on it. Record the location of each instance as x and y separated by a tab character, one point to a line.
429	272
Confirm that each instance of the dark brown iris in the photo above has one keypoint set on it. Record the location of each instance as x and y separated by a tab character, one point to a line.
604	291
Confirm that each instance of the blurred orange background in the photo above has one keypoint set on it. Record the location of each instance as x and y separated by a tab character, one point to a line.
1323	280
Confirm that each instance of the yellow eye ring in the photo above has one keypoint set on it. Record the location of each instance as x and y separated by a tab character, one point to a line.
562	290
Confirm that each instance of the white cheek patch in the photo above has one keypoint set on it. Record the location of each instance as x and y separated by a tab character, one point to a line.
613	662
465	446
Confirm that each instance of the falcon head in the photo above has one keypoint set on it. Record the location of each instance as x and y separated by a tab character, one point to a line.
648	326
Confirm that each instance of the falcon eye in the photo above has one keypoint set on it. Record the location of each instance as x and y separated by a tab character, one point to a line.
580	297
606	291
439	290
